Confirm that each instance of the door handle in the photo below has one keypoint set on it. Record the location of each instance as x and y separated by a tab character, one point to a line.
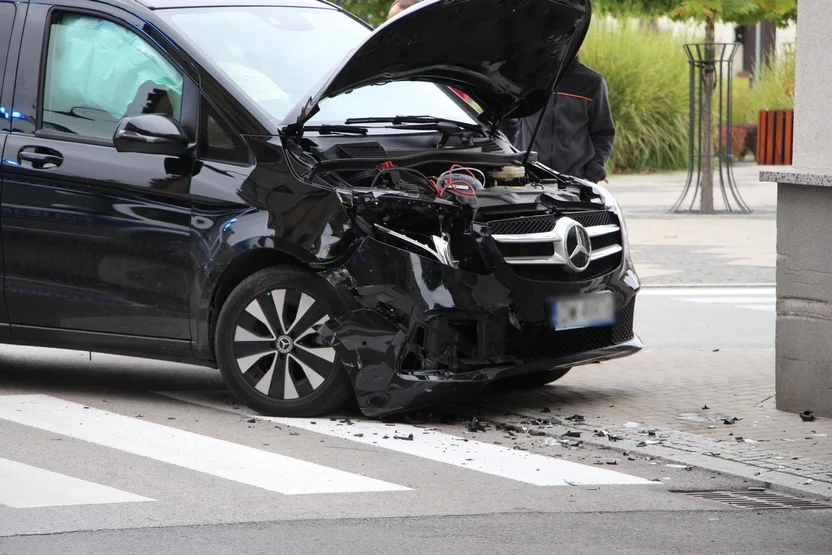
40	158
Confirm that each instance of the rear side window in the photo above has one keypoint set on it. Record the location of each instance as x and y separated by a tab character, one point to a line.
7	12
98	72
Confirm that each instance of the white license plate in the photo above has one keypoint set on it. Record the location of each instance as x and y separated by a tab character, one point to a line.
597	309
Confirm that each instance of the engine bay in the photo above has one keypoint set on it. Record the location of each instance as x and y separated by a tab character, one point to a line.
438	201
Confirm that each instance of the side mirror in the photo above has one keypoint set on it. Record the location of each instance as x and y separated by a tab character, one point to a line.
151	134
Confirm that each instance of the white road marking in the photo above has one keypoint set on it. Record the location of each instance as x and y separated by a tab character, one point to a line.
26	487
762	299
212	456
728	300
707	291
530	468
763	307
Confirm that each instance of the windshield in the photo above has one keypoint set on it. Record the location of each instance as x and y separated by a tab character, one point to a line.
276	55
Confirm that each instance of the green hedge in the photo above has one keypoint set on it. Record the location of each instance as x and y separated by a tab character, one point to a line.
774	91
647	75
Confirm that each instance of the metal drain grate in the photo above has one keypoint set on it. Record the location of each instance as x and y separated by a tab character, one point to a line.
758	500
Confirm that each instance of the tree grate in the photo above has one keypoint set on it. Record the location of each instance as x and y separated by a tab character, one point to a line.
759	500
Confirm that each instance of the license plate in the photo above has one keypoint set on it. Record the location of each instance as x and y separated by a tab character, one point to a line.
586	311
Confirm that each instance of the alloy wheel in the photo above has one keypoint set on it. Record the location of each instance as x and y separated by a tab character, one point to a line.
277	345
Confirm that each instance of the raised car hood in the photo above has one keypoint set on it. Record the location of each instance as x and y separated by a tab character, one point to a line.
506	54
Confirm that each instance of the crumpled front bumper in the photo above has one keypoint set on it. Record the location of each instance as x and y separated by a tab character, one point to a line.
426	331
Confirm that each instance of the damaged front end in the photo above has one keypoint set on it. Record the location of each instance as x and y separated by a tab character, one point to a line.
455	276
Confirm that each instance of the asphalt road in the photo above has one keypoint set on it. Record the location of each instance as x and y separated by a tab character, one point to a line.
103	454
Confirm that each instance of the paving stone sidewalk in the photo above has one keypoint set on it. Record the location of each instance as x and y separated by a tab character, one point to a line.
685	396
672	249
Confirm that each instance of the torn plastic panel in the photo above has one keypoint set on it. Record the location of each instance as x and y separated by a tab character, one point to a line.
425	330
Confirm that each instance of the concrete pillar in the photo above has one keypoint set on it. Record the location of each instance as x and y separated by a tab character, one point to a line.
804	227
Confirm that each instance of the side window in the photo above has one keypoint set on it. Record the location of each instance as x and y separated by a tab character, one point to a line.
7	11
218	141
98	72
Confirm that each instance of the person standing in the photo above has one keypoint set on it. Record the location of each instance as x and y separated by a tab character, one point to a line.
577	133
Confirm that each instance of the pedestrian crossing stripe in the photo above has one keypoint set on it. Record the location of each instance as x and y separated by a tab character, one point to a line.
26	486
496	460
216	457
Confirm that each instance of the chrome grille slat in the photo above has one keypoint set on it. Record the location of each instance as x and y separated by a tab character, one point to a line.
598	230
532	236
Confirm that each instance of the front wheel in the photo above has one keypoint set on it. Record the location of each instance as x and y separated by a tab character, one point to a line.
535	379
268	347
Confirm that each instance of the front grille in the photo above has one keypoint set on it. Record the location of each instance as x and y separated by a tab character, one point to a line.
526	249
541	224
607	240
552	271
623	329
555	272
593	218
544	341
523	226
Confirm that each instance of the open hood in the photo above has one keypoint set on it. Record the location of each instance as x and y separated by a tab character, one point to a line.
506	54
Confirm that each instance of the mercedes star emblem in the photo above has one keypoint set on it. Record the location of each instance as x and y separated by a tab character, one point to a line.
284	344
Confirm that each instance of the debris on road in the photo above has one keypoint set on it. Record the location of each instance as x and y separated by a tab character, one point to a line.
756	488
408	437
251	420
807	416
606	434
705	407
680	466
545	409
358	435
512	428
576	418
570	433
476	426
732	420
552	441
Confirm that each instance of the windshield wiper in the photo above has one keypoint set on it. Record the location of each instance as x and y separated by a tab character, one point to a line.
425	120
331	129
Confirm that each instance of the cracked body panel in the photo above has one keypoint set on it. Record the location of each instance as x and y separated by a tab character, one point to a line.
423	331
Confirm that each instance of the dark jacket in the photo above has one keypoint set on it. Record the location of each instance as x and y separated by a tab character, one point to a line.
577	132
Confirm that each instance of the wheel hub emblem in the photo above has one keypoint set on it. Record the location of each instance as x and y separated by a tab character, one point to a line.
284	344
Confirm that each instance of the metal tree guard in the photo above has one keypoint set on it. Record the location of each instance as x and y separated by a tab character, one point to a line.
720	64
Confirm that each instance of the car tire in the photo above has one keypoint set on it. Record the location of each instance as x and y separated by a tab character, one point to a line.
268	349
535	379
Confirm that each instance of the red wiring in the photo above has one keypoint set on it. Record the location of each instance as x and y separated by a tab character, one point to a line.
468	191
